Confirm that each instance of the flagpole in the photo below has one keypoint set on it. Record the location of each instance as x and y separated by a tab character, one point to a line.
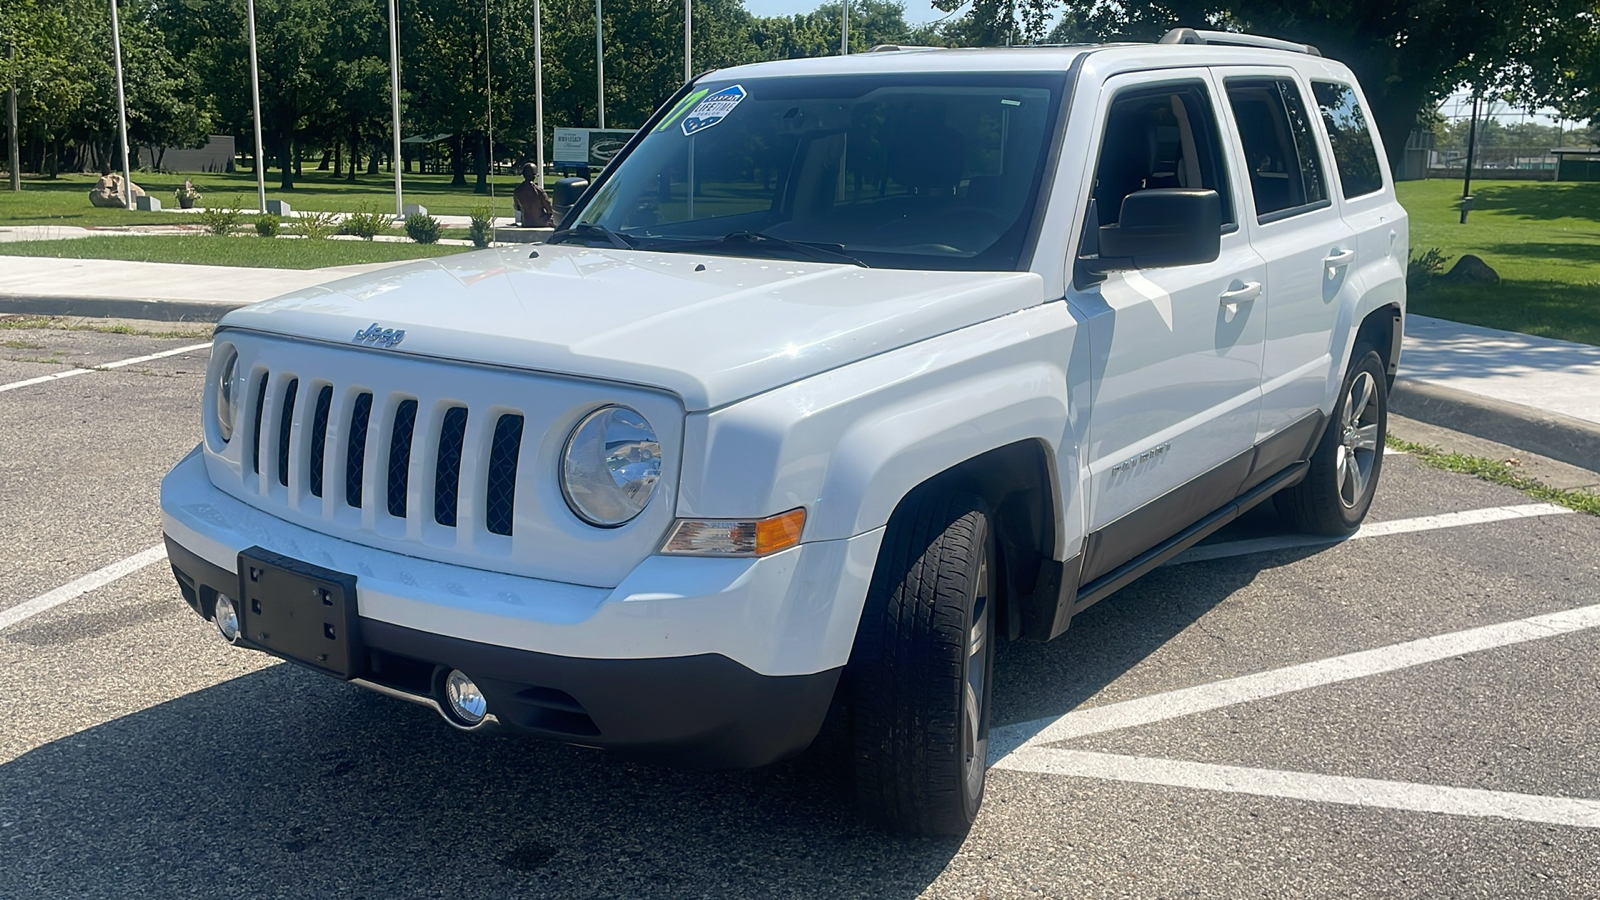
394	102
538	91
688	49
599	64
255	106
844	28
122	110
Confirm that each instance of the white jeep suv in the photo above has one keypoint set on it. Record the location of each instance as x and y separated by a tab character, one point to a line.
846	370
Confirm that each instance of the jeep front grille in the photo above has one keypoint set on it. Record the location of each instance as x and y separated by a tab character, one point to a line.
396	442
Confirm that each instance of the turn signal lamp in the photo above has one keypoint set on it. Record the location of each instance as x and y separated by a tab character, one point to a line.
736	537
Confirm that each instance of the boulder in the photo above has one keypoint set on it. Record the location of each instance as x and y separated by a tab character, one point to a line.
107	192
1470	269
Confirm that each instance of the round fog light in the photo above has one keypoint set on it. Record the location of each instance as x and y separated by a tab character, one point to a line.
227	618
467	704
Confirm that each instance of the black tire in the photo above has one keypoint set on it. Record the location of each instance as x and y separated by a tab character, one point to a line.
920	674
1337	491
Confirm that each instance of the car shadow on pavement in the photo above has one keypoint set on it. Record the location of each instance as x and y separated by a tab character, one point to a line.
284	783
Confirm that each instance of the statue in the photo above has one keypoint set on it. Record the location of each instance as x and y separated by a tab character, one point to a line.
532	204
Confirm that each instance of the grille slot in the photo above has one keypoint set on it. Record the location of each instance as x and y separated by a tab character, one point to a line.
355	453
319	437
447	475
261	405
405	424
285	420
502	481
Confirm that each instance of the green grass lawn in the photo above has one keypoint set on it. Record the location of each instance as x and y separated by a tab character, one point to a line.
65	200
205	250
1544	240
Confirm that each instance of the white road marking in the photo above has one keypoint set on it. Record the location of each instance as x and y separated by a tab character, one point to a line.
74	589
1275	682
1366	792
57	376
1372	529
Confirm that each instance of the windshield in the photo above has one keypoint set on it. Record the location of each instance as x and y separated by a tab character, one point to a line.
899	171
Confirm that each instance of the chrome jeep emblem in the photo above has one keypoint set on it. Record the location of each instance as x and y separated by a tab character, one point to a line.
378	336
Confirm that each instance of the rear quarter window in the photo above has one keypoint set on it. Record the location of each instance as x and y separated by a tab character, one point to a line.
1354	154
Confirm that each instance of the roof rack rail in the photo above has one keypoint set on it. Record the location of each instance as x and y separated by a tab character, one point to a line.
896	48
1232	39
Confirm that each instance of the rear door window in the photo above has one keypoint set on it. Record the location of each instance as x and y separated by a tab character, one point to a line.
1354	155
1279	149
1159	137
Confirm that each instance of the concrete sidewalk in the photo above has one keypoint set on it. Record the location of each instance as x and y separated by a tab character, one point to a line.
166	292
1538	394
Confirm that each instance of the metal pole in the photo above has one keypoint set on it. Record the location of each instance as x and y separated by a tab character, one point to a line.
688	50
11	95
488	95
255	107
122	110
1472	146
538	92
844	28
599	65
394	102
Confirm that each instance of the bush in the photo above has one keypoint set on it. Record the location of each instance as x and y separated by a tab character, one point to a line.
1421	270
422	228
481	228
366	223
267	225
222	221
317	225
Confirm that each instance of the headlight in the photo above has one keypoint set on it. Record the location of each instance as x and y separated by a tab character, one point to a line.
227	375
610	466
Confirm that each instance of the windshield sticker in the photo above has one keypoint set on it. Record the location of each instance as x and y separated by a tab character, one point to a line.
684	104
713	109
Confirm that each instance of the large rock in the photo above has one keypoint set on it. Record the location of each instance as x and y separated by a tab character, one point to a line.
1470	269
107	192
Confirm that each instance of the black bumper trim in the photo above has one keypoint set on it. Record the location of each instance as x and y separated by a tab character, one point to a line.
705	711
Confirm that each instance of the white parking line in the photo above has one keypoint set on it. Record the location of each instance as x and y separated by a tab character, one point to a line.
97	579
1366	792
1372	529
1274	682
57	376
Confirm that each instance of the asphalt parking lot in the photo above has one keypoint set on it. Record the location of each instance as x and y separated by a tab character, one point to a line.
1412	713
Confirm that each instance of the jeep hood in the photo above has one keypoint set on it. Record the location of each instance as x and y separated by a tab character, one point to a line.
711	329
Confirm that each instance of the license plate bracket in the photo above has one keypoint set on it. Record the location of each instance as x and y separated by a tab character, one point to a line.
300	611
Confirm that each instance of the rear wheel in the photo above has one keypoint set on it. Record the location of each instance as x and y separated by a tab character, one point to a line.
919	675
1337	491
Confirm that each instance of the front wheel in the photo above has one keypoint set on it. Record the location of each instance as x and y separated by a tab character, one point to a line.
919	674
1337	491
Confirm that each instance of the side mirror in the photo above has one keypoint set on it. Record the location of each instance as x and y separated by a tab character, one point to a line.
1161	227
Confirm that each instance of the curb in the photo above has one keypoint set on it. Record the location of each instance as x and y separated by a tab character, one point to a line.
1560	437
119	308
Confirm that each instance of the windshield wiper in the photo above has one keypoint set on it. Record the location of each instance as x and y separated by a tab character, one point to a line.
818	252
590	231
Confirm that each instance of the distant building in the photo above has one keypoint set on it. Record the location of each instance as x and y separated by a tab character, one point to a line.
1577	163
215	156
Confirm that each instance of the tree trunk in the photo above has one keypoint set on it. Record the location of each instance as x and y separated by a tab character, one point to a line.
299	160
285	162
458	161
323	165
355	158
481	165
338	158
372	162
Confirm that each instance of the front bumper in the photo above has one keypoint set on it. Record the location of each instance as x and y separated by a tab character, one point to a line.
721	662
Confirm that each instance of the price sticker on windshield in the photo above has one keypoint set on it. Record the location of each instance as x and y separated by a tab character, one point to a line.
713	109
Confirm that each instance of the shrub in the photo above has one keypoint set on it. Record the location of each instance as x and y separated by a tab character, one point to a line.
1421	270
366	223
422	228
480	229
317	225
267	225
222	221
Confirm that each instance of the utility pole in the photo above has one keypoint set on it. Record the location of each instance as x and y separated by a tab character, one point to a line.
122	110
1472	146
394	102
11	97
599	65
844	28
255	106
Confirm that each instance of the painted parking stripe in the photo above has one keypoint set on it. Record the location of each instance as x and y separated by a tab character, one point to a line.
1372	529
1275	682
69	373
1365	792
72	590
